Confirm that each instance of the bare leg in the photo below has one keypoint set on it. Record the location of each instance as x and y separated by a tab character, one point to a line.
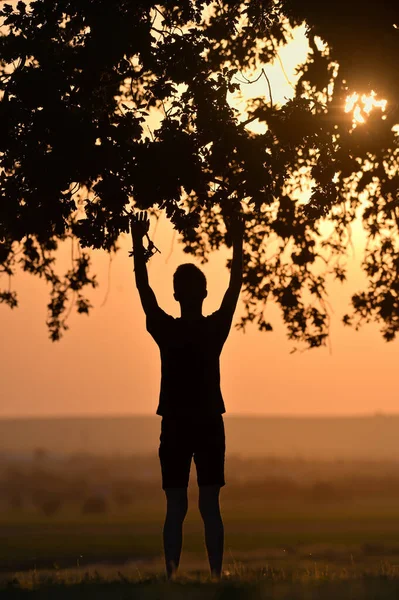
176	511
214	531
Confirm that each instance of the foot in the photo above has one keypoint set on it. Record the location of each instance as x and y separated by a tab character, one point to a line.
171	572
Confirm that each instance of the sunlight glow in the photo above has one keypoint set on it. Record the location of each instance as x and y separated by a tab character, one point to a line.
364	104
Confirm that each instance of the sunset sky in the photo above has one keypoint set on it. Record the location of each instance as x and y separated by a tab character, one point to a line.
108	364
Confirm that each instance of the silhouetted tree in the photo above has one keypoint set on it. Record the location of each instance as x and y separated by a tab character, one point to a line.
51	505
323	492
80	81
40	454
16	501
94	505
123	498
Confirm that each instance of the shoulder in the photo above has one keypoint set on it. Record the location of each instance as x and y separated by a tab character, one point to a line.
157	314
220	318
164	315
158	319
218	325
218	315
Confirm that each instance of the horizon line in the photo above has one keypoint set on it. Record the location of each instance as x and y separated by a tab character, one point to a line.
102	416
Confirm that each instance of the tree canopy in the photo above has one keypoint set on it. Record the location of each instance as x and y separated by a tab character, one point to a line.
81	81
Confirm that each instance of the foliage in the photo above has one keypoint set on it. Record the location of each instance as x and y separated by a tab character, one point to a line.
83	82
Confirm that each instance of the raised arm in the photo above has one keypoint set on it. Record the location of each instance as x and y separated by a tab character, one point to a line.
236	230
139	226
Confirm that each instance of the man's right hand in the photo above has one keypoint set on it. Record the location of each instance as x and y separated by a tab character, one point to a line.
139	225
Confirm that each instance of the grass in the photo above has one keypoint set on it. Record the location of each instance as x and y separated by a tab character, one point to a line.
313	583
67	539
305	552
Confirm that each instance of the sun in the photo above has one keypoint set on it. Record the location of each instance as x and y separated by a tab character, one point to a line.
361	106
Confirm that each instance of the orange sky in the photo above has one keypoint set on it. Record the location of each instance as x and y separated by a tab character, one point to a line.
108	364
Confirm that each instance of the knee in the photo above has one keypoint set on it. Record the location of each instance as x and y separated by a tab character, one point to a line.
209	509
177	515
177	510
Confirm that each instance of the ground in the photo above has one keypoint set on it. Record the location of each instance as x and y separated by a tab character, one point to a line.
275	550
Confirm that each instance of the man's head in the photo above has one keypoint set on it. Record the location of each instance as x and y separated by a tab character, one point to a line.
189	284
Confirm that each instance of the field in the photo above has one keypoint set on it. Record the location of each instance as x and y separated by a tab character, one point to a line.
293	529
266	583
270	552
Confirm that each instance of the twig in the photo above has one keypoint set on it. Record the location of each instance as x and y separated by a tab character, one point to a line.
108	282
281	65
171	247
247	81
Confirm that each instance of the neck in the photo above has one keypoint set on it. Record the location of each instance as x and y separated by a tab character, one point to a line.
190	312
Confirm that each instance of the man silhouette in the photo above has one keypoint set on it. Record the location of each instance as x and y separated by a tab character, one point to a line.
190	403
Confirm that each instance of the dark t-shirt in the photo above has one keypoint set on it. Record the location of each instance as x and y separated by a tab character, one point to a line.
190	350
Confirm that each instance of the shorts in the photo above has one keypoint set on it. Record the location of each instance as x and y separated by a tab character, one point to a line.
184	437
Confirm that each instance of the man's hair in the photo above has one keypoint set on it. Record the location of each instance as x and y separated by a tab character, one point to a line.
188	275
